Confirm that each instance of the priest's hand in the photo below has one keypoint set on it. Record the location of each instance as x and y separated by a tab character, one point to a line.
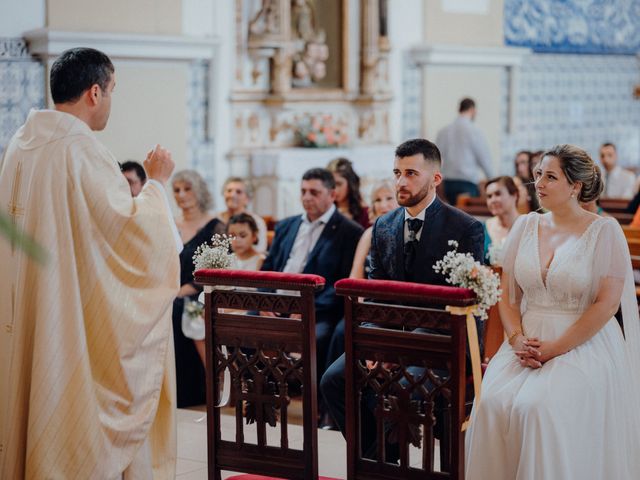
159	164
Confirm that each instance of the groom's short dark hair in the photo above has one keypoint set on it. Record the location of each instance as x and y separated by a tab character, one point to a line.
428	149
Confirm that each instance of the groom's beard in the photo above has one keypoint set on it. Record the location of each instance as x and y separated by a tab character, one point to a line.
412	200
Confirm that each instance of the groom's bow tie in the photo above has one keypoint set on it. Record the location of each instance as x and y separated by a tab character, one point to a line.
410	248
414	224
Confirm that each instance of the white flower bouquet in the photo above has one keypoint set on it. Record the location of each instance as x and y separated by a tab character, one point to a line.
461	270
495	253
193	319
216	255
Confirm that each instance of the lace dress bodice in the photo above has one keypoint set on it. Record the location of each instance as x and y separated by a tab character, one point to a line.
568	282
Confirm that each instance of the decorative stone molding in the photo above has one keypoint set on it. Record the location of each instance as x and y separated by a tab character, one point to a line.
509	58
13	49
469	56
50	43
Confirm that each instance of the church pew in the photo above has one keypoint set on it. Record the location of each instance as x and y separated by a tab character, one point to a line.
493	330
614	205
622	218
475	206
631	233
252	354
381	347
634	250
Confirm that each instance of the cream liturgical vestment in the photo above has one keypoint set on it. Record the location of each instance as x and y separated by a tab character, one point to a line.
87	380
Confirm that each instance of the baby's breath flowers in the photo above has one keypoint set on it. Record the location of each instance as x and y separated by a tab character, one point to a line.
217	255
461	270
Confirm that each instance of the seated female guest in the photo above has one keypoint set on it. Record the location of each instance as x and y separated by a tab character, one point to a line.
243	231
560	398
527	202
383	200
196	226
237	195
502	199
348	197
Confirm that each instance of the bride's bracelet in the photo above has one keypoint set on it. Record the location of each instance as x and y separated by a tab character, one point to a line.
514	335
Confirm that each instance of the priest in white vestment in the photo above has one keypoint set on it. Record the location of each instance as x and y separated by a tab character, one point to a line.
87	381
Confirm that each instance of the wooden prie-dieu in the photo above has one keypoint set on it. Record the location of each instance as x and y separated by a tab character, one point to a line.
406	377
265	340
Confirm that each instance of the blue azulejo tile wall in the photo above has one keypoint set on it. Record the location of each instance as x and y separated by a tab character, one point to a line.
580	99
578	87
22	86
201	146
573	26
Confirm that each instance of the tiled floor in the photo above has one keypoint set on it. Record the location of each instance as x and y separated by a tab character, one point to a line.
192	446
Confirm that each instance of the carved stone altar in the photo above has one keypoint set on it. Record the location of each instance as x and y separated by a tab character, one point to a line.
277	173
299	60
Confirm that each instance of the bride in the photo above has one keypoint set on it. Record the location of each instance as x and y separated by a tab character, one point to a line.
561	397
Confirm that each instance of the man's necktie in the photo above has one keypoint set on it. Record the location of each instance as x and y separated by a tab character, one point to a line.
411	246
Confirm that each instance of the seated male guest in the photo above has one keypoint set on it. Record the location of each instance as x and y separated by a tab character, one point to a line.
405	245
135	175
322	242
618	182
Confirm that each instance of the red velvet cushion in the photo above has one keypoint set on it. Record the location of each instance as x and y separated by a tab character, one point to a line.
260	477
269	279
406	291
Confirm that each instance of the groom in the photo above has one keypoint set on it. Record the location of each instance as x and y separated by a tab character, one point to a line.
405	245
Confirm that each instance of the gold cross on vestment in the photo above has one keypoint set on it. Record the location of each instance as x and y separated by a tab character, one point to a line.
15	210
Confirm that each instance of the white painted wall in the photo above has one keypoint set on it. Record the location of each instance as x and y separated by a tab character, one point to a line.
197	17
162	17
446	86
19	16
406	29
143	113
221	123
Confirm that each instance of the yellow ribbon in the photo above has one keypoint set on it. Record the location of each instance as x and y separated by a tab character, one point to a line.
474	350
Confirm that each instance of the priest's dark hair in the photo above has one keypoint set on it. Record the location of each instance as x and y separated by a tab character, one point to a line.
76	70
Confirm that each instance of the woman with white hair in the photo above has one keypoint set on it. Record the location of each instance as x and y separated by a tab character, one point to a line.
196	226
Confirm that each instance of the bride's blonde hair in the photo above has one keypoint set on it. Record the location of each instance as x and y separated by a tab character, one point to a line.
578	166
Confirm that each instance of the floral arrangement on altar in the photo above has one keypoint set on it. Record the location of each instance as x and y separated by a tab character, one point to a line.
321	132
217	255
461	270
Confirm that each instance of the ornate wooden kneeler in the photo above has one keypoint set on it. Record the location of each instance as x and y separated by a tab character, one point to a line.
417	380
262	356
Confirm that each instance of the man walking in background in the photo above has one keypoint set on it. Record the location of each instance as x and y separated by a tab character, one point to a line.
465	152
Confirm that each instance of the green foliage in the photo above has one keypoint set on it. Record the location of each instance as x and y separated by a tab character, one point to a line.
20	240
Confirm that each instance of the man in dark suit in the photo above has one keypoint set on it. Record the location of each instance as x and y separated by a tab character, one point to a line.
321	241
405	245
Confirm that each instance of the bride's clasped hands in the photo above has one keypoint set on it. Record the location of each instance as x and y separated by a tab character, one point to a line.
532	352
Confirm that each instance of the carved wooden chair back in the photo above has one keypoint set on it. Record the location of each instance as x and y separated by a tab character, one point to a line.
414	381
262	357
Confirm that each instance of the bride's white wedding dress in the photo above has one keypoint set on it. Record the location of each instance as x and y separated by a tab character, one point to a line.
577	416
